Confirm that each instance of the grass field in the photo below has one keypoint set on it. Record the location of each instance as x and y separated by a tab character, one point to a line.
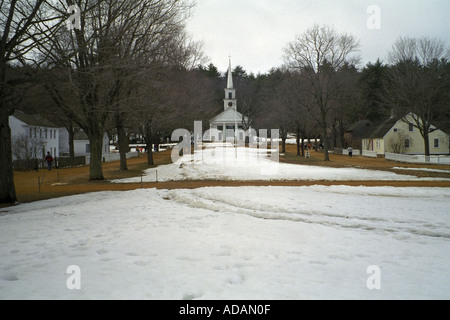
44	184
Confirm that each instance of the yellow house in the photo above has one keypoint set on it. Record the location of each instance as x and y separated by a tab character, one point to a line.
397	135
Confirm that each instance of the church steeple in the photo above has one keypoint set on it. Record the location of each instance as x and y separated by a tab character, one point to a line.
230	77
230	92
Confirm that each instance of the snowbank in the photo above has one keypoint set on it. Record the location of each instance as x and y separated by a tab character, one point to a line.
230	243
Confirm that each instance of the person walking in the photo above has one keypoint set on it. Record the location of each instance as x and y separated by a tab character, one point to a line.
49	160
350	151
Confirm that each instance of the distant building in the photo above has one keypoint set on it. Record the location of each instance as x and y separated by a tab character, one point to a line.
81	144
32	136
222	126
394	135
356	132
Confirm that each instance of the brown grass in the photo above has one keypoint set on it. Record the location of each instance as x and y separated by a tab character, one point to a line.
69	181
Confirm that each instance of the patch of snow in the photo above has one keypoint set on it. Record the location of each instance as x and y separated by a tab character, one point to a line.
423	169
312	242
219	163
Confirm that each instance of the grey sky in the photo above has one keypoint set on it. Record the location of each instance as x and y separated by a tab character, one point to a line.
254	32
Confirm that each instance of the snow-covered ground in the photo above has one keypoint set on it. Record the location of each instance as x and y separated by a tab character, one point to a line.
314	242
219	163
423	169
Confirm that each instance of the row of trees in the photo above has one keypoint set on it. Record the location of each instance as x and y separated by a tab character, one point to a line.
320	91
118	62
130	67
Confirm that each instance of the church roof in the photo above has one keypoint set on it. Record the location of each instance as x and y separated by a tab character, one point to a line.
228	115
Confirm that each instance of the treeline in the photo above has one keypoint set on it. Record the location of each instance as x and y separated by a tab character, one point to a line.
97	65
321	90
128	66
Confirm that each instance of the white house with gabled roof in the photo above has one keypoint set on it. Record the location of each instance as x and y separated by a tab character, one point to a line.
32	136
400	135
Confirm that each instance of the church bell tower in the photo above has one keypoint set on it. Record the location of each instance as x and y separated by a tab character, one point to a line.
230	92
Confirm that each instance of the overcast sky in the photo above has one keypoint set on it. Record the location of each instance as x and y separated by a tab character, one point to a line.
254	32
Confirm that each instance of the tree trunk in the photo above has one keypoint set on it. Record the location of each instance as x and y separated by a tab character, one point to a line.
297	139
334	135
7	189
149	142
71	142
325	144
123	145
343	142
95	168
283	140
426	140
302	146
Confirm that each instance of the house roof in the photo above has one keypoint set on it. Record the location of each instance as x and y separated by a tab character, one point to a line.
380	130
34	120
360	128
80	135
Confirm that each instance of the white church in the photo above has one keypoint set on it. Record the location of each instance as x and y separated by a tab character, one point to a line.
223	126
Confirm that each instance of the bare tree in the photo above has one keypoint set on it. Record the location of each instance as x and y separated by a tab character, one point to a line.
317	54
25	147
276	105
18	21
416	86
116	40
397	142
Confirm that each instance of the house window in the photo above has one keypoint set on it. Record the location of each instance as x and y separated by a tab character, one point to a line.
88	148
40	133
54	134
46	133
436	143
411	127
395	130
31	132
230	95
406	143
50	134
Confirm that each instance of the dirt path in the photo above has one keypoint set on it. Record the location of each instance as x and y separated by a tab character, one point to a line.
34	185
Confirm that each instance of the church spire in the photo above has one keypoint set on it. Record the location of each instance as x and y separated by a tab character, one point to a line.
230	92
230	77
